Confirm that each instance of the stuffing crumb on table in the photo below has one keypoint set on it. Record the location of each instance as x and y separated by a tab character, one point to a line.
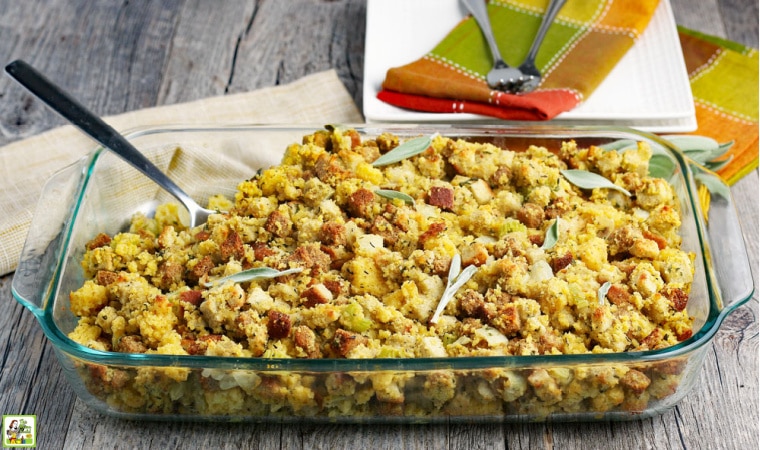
368	250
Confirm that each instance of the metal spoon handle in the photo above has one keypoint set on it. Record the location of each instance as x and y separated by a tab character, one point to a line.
92	125
551	12
479	11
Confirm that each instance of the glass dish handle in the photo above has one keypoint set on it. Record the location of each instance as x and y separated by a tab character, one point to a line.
34	278
728	251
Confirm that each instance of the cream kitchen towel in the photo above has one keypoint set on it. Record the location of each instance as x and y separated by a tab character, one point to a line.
25	165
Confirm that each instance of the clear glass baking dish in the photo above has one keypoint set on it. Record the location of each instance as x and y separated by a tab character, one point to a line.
101	192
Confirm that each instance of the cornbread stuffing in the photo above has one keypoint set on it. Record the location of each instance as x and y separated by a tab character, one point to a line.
559	269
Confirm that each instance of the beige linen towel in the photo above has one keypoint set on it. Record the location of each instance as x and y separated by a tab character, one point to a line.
25	165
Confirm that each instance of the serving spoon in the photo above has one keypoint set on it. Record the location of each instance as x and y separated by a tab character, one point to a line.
92	125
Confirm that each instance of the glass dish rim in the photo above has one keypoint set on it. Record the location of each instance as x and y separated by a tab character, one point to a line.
701	337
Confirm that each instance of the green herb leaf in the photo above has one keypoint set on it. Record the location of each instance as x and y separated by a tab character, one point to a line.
661	166
406	150
705	156
254	274
700	156
552	235
689	142
717	165
394	195
452	285
454	268
589	180
723	149
701	149
602	293
714	184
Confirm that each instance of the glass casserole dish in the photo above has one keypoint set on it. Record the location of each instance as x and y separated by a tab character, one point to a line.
101	193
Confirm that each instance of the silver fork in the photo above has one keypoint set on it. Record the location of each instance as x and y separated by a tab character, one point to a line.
502	76
530	76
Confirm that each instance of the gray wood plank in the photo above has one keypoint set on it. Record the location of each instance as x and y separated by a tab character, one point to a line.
201	51
723	410
703	15
31	381
288	40
739	18
109	55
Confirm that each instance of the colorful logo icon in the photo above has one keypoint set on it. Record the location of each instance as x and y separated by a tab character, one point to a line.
19	431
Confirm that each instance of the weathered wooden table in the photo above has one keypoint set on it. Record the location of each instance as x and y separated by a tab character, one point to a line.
122	56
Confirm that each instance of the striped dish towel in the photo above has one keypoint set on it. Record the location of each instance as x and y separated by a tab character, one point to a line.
586	40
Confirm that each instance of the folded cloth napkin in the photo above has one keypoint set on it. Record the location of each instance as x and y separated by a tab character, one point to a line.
584	43
26	164
724	83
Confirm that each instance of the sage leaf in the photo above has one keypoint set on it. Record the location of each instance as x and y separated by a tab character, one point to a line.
661	166
602	292
712	156
589	180
700	156
406	150
717	165
705	156
701	149
552	235
714	184
454	268
394	195
723	149
254	274
691	142
659	149
452	286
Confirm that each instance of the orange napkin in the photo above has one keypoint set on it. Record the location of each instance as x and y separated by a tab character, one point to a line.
585	42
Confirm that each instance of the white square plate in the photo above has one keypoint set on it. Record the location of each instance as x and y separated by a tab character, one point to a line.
648	89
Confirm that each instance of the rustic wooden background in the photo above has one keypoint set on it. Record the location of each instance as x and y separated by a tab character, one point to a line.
117	56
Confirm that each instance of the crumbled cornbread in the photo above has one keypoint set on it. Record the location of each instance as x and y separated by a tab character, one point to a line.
374	269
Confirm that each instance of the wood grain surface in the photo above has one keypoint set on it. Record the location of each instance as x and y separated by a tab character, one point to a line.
118	56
